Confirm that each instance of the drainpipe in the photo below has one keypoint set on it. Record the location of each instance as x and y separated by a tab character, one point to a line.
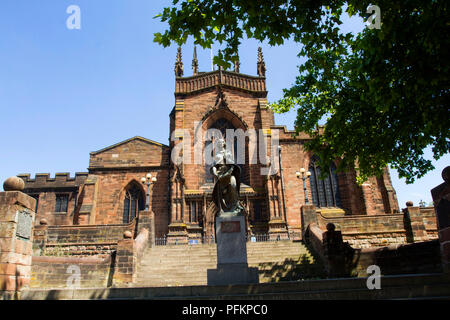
282	183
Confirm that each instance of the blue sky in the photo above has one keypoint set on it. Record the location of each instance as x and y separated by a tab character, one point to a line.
65	93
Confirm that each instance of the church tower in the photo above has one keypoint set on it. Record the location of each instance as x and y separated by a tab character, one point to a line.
218	100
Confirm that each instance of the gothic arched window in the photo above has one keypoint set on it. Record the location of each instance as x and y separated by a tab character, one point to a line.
325	193
133	203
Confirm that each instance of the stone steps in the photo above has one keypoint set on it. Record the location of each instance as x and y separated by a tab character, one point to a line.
251	258
417	286
178	265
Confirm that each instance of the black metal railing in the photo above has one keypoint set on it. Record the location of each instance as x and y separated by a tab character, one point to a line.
260	237
161	241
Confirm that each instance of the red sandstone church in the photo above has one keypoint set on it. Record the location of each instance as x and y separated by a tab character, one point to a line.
111	192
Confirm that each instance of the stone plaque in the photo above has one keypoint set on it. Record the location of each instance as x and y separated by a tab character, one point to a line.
24	225
230	226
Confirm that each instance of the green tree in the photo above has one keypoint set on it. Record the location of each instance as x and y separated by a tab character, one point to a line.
383	91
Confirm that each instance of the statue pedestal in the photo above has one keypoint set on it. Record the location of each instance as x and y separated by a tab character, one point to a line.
278	230
232	267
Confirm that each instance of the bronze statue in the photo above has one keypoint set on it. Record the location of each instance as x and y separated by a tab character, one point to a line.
227	183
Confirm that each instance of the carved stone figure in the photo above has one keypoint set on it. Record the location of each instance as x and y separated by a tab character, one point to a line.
227	183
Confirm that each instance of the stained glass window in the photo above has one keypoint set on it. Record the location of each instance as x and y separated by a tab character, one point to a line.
324	193
133	202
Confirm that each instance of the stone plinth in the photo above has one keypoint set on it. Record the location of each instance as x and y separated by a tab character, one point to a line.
231	240
177	233
278	229
441	199
232	267
126	261
417	226
16	242
146	220
308	216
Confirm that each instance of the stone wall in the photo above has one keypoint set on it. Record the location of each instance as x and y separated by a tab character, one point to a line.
97	197
16	238
343	260
110	198
365	231
421	257
63	272
90	256
44	189
441	200
131	153
116	266
129	252
79	240
242	112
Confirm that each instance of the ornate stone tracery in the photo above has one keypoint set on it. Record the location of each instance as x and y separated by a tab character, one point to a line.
261	65
179	64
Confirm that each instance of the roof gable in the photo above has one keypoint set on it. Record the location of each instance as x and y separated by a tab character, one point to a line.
134	152
136	138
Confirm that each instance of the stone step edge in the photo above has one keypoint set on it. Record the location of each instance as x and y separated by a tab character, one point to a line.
195	292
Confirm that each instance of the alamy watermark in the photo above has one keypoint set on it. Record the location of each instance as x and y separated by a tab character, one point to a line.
73	281
74	20
207	144
374	21
374	281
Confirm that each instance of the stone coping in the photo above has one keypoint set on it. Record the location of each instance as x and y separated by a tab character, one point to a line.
72	260
317	288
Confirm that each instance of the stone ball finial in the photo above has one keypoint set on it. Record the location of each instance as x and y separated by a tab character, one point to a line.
127	235
409	203
43	222
446	174
331	227
13	184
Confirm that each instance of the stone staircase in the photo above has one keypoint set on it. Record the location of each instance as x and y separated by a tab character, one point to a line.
414	286
187	265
